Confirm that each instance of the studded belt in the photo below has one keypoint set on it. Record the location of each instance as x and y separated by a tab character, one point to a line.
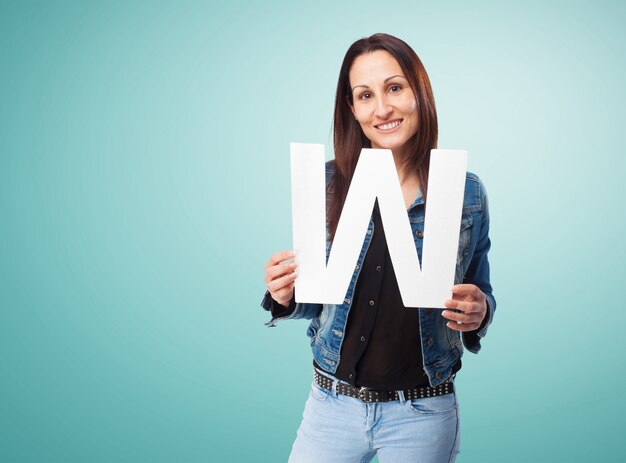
369	395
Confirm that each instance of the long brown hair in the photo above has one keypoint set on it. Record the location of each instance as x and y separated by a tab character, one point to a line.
349	138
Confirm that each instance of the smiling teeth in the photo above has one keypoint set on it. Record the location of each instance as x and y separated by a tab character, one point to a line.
389	126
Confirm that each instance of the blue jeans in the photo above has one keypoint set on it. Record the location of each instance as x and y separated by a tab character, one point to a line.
340	429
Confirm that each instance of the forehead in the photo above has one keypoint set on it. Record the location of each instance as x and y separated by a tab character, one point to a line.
370	68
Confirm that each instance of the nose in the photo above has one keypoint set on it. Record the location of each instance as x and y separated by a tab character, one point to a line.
383	108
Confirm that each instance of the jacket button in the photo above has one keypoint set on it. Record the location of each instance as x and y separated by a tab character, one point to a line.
363	338
438	374
429	311
351	376
371	302
419	234
430	342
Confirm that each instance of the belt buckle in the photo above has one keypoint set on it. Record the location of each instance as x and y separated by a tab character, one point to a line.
362	396
378	395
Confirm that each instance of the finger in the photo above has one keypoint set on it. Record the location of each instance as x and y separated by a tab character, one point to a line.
281	282
463	287
284	294
465	318
462	326
455	316
464	291
278	270
279	257
465	306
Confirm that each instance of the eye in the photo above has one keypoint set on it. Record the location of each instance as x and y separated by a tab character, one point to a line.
365	96
395	88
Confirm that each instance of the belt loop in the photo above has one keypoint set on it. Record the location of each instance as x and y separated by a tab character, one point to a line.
401	397
334	388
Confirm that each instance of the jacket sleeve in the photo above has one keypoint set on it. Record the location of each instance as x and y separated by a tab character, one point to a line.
478	274
295	310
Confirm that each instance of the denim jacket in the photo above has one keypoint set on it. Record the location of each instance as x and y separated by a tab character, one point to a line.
442	347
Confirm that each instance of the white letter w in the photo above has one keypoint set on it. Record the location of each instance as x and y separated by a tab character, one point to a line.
376	177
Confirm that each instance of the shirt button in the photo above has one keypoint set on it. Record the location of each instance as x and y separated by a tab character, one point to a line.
371	302
363	338
378	268
419	234
350	376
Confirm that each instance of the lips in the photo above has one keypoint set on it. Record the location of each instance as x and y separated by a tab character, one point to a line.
388	126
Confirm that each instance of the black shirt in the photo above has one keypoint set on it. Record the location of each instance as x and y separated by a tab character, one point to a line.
382	345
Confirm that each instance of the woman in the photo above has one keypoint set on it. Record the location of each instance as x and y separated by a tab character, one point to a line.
384	374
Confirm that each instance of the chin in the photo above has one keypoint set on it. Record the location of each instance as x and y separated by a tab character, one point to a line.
388	146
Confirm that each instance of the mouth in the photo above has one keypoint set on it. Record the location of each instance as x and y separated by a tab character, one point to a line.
389	126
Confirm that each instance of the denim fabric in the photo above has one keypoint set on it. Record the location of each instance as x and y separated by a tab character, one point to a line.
442	347
340	429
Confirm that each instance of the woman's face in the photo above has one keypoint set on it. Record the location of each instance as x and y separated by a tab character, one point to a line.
384	104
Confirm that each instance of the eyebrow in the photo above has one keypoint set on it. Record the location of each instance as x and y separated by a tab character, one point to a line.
384	82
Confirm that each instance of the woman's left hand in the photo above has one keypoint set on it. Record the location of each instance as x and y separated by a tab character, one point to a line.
471	301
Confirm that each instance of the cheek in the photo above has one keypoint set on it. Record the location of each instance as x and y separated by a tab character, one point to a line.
412	112
361	114
410	107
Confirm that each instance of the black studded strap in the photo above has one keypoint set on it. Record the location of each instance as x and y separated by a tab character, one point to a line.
368	395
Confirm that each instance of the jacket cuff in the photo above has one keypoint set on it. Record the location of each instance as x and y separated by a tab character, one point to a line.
491	303
280	311
471	339
277	310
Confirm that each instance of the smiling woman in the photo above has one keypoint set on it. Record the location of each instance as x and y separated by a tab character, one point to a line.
384	373
382	83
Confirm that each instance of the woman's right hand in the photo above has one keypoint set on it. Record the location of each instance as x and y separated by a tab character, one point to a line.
280	277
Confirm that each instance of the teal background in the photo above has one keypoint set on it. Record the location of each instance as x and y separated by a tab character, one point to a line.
144	184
